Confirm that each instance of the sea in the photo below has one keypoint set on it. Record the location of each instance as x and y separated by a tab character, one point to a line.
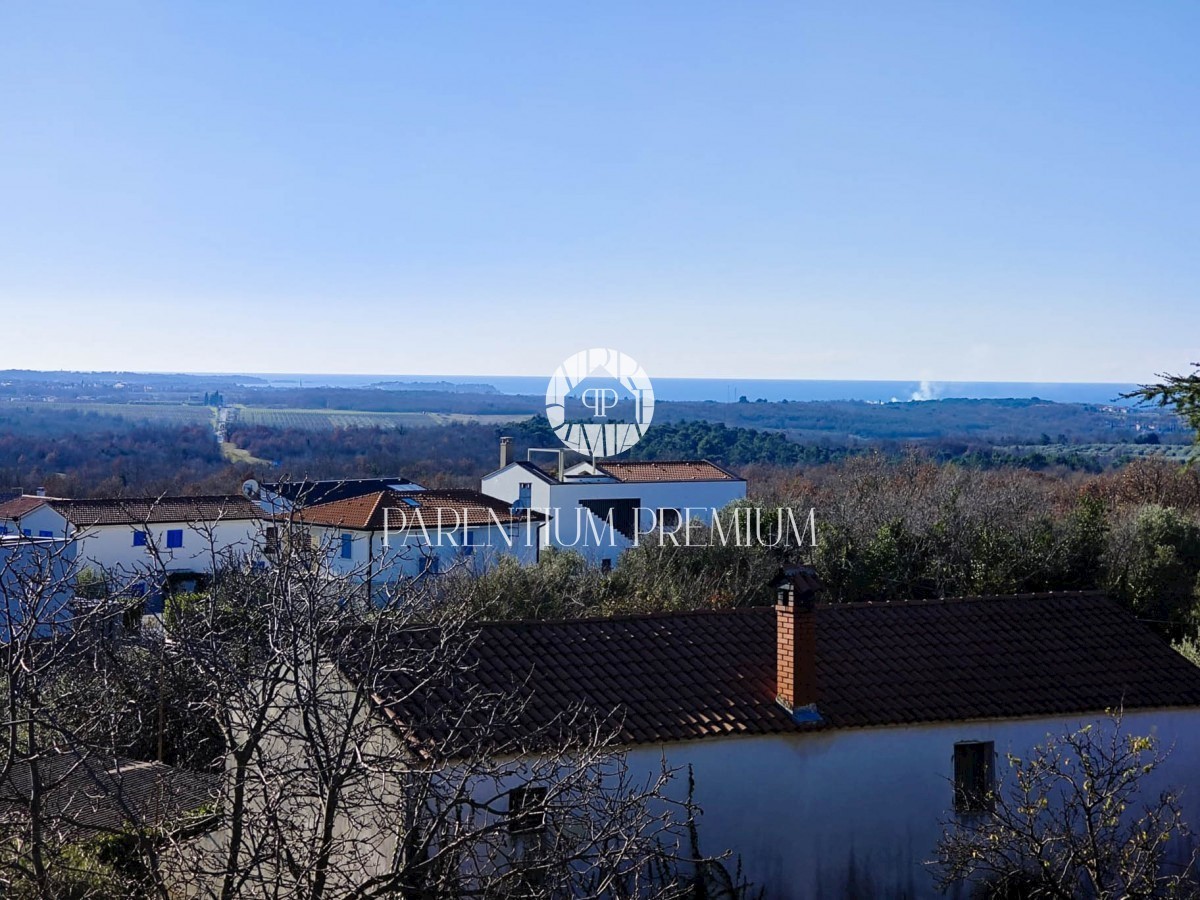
730	390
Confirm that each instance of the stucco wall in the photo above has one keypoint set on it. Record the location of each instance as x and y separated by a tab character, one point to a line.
856	813
111	547
571	530
407	552
43	518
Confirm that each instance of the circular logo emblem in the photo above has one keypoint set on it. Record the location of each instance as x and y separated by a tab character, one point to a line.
600	402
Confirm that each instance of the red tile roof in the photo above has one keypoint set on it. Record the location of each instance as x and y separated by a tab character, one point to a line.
413	509
20	506
695	675
666	470
139	510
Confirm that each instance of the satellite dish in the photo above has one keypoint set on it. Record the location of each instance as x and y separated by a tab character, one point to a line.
250	488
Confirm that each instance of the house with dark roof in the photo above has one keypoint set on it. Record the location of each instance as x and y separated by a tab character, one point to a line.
602	508
828	743
135	536
282	496
386	535
81	795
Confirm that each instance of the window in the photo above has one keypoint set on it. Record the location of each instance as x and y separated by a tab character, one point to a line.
468	546
45	534
174	538
139	539
527	810
26	532
669	519
974	775
347	546
433	565
606	564
3	529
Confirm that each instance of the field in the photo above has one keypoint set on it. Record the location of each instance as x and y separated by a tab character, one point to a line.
156	414
327	419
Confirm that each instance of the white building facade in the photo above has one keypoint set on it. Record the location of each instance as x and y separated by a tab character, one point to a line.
387	536
134	537
602	509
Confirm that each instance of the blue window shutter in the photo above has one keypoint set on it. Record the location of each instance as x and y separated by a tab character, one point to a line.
139	539
45	534
174	538
347	546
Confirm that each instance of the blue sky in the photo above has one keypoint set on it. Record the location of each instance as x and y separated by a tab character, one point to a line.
952	191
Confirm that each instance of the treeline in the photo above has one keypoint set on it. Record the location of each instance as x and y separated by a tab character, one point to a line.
1016	421
890	530
81	454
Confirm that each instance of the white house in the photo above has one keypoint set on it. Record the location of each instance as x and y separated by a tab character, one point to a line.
134	536
829	743
34	586
30	516
387	535
599	509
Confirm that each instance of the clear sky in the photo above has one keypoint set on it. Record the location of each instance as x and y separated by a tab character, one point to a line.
953	191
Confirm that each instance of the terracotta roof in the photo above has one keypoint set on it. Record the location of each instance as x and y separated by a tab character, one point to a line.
707	674
85	796
418	508
138	510
20	506
666	470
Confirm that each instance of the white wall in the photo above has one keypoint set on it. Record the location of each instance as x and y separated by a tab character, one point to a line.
43	518
407	552
111	547
810	814
571	530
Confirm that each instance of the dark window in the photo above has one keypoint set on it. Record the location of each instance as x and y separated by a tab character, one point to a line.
3	529
139	539
347	546
174	538
606	565
26	532
974	775
434	565
45	534
527	810
669	519
468	546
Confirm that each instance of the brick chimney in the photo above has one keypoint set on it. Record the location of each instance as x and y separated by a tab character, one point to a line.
505	451
796	642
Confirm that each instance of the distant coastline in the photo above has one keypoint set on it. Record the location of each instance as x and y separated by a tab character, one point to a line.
730	390
695	390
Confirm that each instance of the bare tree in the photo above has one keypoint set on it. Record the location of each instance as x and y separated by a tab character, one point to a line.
1070	820
329	792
